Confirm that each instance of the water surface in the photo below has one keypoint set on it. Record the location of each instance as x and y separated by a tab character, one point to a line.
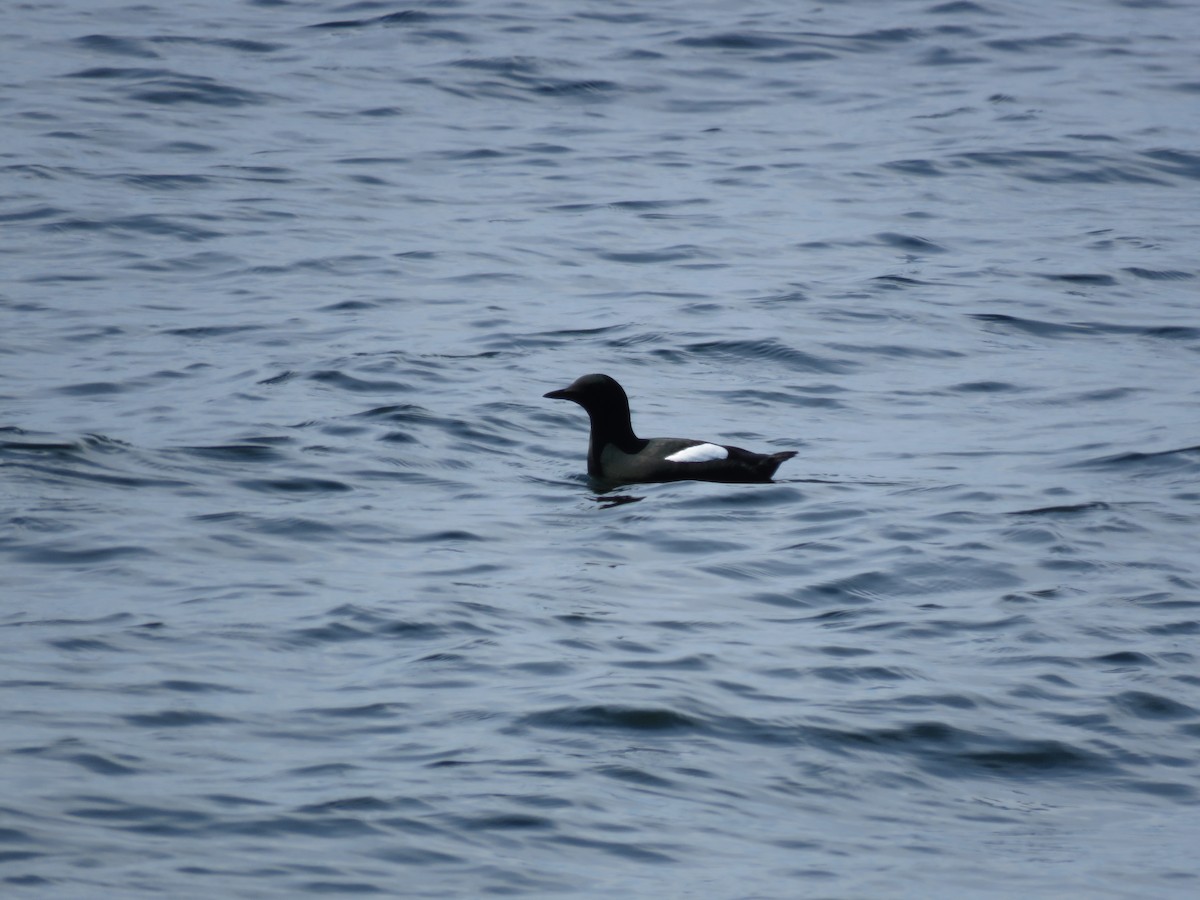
306	591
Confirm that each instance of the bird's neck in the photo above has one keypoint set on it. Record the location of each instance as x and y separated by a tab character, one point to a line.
612	427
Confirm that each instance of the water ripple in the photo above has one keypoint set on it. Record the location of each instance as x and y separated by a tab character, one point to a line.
306	590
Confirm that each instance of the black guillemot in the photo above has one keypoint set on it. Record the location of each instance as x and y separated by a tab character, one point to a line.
617	455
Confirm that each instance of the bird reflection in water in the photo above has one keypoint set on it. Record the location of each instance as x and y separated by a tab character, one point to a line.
608	501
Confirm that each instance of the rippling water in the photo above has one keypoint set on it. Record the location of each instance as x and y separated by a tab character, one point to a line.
306	591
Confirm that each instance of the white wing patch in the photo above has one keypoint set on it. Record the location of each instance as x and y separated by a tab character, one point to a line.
699	453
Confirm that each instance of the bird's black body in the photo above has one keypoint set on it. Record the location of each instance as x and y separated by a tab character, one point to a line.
616	455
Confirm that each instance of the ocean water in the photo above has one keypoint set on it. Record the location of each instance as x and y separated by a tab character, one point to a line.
305	590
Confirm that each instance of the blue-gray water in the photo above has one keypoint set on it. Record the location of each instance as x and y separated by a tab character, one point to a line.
304	588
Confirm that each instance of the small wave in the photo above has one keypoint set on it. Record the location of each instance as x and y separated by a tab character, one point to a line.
565	86
117	46
118	73
623	718
1159	274
242	45
1064	167
1089	278
235	452
99	764
91	389
403	17
1161	460
187	686
1053	41
953	752
910	243
1176	162
31	215
370	711
69	474
1146	705
1029	326
294	485
737	40
212	331
666	254
359	385
58	556
175	718
1058	329
176	90
148	224
772	350
1069	509
504	822
985	387
924	167
501	65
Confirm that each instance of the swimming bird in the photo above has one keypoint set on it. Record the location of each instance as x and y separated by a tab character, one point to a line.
617	455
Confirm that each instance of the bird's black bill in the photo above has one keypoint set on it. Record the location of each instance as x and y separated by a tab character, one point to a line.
564	394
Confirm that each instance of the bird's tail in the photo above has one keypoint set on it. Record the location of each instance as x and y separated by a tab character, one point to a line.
775	460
